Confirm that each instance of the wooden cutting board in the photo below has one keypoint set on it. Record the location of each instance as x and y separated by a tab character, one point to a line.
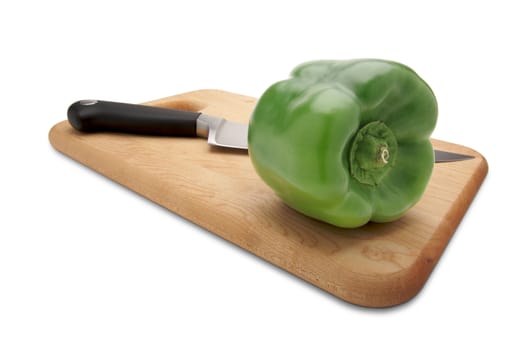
377	265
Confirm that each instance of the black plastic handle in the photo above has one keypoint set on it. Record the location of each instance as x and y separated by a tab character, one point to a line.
95	115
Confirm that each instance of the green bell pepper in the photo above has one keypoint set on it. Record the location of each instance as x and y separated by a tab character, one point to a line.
346	142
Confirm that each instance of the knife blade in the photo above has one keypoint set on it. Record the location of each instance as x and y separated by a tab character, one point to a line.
96	115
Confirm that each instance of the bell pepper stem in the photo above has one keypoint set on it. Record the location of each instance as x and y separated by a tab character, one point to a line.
372	153
384	154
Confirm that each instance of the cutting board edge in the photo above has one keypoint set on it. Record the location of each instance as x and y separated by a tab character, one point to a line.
432	252
391	289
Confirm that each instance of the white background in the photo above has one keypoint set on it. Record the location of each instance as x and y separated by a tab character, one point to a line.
87	264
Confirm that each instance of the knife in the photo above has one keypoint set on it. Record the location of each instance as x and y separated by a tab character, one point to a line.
96	115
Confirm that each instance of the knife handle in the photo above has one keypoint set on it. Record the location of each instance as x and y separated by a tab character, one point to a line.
95	115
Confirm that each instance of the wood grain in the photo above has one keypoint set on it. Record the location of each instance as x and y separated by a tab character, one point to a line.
377	265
